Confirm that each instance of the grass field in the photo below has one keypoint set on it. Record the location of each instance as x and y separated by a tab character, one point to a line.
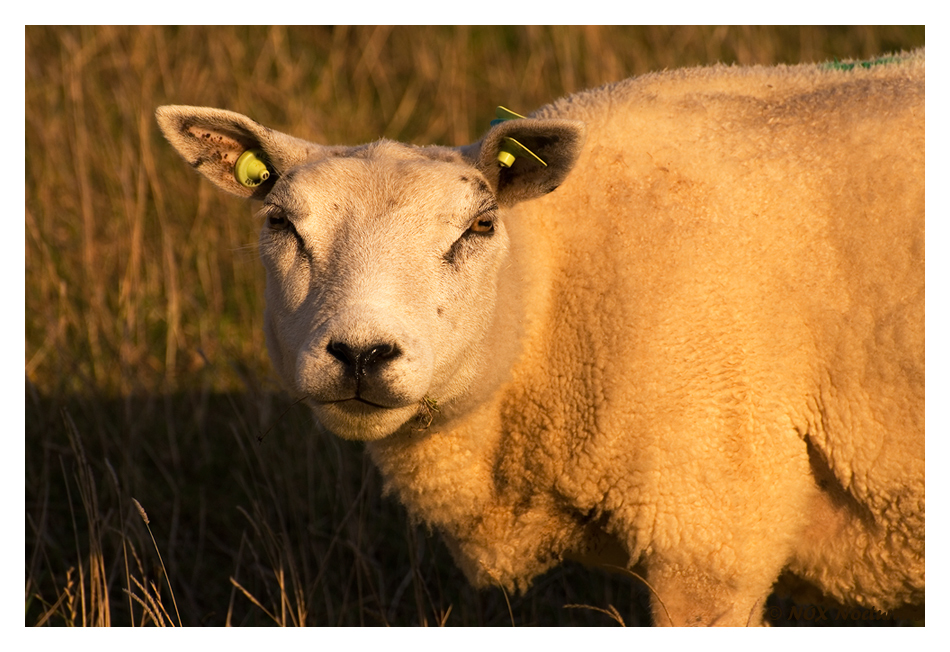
147	381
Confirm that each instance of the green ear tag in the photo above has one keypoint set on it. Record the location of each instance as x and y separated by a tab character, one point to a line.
502	114
250	170
511	149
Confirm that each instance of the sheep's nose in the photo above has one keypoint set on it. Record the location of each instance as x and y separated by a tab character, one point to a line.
363	359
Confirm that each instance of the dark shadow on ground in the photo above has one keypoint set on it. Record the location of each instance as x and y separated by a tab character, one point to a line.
222	504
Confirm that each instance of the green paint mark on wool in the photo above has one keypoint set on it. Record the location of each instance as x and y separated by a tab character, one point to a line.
838	65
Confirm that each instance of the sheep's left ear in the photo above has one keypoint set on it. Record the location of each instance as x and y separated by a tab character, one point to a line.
556	142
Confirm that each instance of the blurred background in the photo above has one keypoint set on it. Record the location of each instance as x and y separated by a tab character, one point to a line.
146	371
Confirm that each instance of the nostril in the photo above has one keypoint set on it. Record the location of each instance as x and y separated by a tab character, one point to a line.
362	359
379	353
342	352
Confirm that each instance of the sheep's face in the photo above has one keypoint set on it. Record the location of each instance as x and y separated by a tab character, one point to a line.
383	260
381	285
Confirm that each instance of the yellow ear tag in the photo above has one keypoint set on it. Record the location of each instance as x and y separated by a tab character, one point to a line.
250	169
510	148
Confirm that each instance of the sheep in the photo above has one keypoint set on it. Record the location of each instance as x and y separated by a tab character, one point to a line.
673	323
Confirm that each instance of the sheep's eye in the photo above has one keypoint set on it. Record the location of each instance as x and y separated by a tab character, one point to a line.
485	224
277	220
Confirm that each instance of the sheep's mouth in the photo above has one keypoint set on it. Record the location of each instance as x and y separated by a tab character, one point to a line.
358	418
355	401
359	399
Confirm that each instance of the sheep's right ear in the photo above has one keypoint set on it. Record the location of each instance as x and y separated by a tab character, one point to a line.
212	140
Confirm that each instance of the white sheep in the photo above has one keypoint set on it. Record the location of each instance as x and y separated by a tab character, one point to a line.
704	354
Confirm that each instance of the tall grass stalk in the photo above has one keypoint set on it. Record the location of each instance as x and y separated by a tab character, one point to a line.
158	552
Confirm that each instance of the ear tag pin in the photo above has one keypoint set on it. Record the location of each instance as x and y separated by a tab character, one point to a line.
510	148
250	169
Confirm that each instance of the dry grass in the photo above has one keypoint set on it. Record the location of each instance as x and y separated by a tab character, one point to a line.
146	371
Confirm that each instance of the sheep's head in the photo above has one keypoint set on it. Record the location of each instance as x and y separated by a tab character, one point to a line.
382	260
